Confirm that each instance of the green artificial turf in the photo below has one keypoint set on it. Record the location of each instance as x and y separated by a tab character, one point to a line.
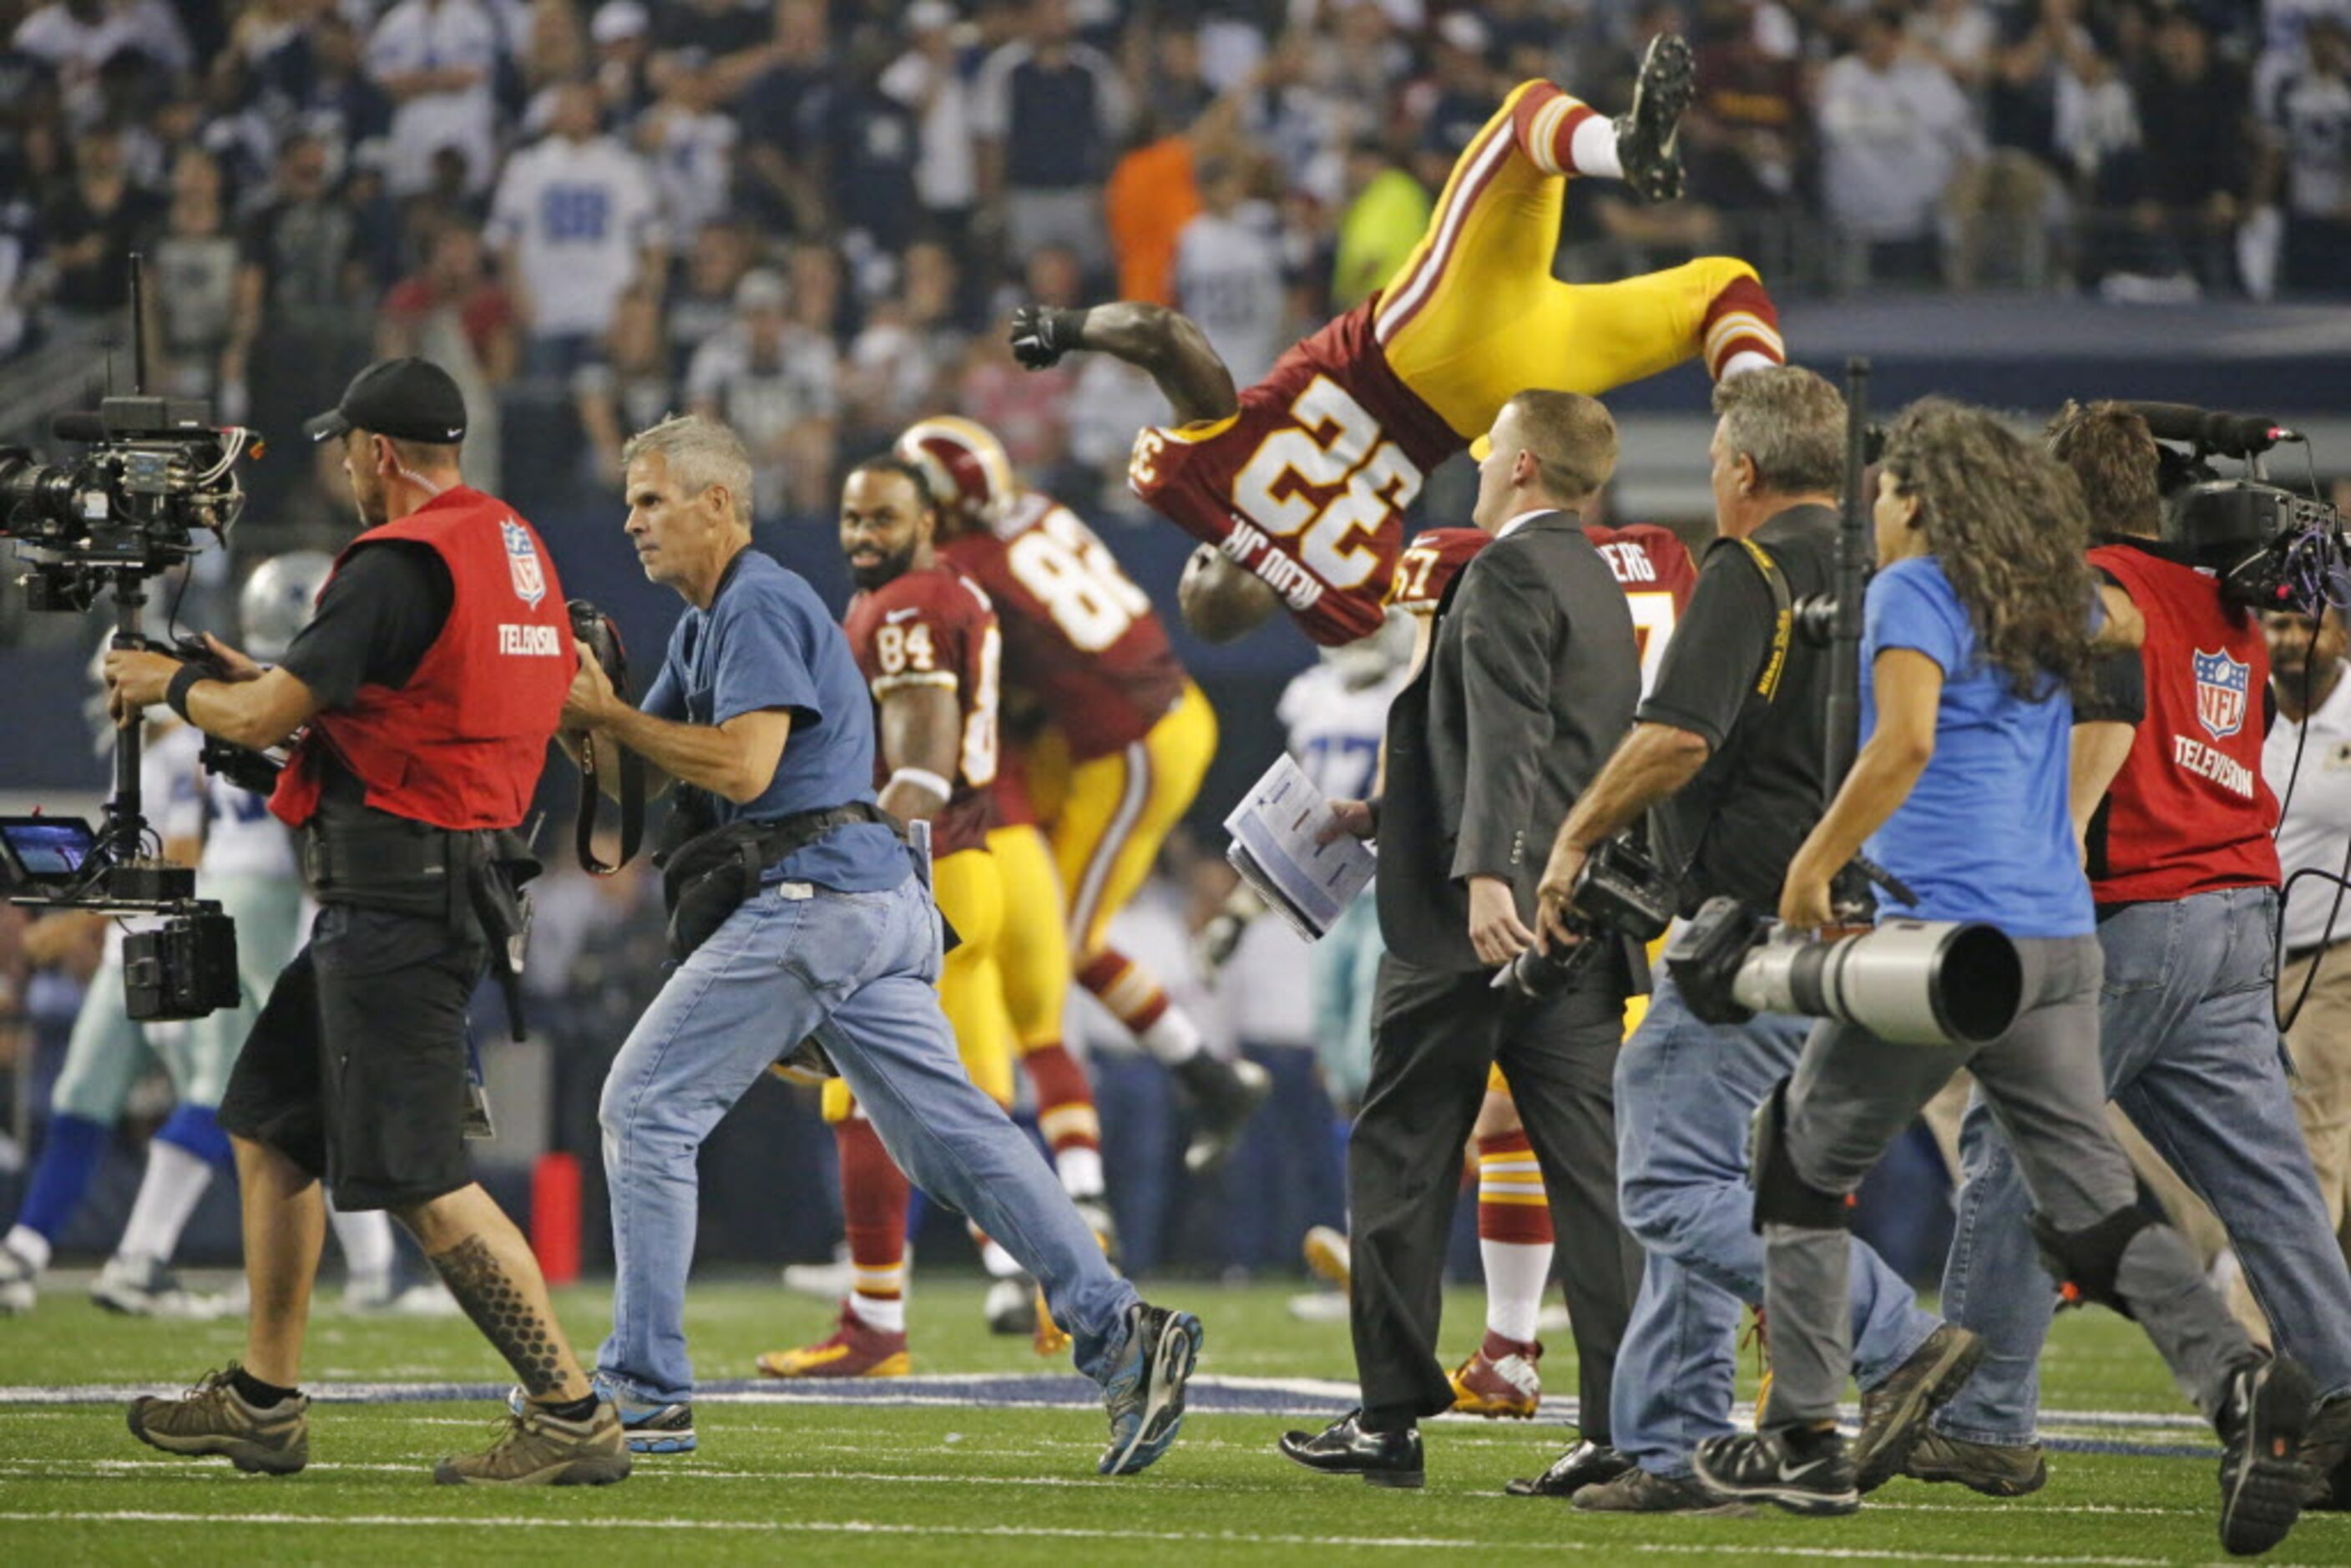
963	1482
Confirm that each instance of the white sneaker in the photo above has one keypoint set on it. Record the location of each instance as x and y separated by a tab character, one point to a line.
146	1287
19	1283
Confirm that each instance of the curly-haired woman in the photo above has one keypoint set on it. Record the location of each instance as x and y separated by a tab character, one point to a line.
1980	618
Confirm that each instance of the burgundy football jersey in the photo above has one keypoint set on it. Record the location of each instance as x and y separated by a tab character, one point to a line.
936	628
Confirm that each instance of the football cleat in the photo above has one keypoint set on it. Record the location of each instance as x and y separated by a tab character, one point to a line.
146	1287
1010	1306
1329	1255
1498	1380
855	1349
1225	1095
1648	135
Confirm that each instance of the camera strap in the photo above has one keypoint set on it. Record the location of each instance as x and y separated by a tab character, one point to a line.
630	768
1783	619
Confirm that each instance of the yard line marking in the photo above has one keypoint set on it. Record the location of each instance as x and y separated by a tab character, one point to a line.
1047	1533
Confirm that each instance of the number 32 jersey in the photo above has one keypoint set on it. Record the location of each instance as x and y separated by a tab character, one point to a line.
1079	636
936	628
1306	485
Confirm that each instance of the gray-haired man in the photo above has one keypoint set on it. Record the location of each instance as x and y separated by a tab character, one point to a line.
760	712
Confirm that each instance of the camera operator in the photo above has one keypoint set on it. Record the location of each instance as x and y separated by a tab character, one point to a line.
1729	747
1532	672
2309	755
1978	620
2185	876
799	914
429	682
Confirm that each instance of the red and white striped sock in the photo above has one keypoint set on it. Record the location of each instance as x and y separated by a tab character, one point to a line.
1741	330
1066	1116
873	1194
1565	135
1515	1234
1137	1001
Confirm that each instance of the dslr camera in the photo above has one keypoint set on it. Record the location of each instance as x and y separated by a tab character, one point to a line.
1619	893
1908	982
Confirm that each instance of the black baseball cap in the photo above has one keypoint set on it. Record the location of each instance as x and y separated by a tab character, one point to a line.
406	399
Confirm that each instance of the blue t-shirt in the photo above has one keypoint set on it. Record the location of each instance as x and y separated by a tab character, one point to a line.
767	642
1986	833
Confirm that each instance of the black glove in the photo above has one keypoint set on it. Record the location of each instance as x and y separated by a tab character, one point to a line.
1041	336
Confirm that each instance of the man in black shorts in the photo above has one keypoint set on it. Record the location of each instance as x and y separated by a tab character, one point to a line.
426	689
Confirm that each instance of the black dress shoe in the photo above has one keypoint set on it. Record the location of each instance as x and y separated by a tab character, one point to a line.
1586	1464
1345	1448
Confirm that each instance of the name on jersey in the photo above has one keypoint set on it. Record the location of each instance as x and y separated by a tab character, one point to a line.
1629	561
531	642
1246	546
2211	762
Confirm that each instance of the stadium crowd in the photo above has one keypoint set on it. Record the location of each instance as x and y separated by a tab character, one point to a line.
805	217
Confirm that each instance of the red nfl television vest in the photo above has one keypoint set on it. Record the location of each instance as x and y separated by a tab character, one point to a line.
2189	811
462	744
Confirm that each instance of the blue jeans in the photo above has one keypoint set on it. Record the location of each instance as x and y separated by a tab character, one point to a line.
1685	1092
856	970
2192	1056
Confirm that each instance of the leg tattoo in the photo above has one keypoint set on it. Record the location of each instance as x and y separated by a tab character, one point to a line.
503	1314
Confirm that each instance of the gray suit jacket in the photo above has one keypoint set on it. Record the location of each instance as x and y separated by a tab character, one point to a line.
1530	683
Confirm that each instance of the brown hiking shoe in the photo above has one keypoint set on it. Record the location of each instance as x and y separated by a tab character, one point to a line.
1894	1413
212	1418
536	1448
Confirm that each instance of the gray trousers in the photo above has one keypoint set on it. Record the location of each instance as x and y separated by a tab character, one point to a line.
1853	1094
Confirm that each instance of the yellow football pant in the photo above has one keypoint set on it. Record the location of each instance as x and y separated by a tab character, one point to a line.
1033	949
1475	317
970	893
1109	815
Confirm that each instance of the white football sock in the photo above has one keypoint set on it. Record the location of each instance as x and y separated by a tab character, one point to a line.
1516	1274
366	1240
1747	359
168	1194
1174	1040
1592	148
30	1245
1079	1167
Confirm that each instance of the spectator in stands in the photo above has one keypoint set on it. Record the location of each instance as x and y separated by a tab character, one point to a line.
1050	111
1386	211
775	383
2194	121
2308	116
1228	274
628	387
577	223
1453	104
1896	134
434	59
820	302
1958	36
688	146
929	80
76	38
1173	91
453	312
1747	136
1304	127
2015	200
314	81
192	290
739	41
621	50
869	146
91	223
703	304
900	365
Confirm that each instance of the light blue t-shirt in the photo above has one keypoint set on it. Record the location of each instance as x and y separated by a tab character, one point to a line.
1986	833
767	642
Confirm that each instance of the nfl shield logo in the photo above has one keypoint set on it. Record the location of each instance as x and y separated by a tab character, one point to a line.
522	564
2221	683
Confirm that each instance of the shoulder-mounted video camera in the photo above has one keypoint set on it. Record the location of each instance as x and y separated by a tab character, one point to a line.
2269	549
154	482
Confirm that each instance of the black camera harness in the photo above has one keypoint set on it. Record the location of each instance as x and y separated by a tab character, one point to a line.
602	637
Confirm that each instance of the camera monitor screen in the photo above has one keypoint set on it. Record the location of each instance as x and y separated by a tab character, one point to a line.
45	851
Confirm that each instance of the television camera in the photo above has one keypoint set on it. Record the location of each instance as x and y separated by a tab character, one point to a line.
152	479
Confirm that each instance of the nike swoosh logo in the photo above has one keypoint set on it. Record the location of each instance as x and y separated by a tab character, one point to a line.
1800	1471
895	616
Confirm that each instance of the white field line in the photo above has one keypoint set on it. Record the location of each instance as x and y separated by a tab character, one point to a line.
1044	1533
